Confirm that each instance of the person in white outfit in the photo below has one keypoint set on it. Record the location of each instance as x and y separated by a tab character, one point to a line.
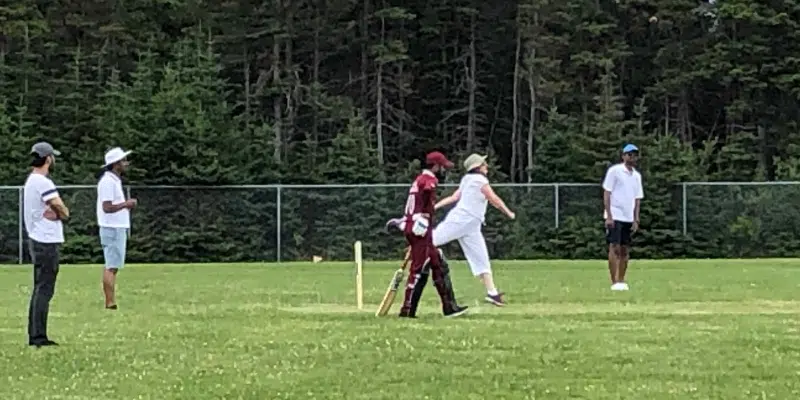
464	222
113	218
622	196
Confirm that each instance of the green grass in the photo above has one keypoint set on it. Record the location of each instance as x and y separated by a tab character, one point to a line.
687	330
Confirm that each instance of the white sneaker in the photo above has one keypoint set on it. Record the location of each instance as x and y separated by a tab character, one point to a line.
619	287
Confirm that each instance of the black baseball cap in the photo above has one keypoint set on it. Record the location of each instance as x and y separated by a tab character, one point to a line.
44	149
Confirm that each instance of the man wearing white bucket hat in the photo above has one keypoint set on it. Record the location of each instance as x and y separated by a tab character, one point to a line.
113	218
464	222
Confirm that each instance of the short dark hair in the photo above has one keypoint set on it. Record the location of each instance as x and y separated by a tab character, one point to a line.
38	161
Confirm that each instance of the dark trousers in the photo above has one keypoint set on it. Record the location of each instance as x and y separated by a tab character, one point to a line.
45	271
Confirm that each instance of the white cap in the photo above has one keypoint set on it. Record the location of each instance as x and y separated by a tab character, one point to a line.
474	161
114	155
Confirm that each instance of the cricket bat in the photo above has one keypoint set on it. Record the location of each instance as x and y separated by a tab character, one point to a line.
394	284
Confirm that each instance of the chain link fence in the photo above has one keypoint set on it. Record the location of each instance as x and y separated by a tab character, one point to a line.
296	222
749	219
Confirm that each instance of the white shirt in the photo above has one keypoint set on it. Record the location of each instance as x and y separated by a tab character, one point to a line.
38	190
472	201
109	188
625	187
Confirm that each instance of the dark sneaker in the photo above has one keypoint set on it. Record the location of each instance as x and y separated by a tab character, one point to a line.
496	300
111	307
407	312
455	312
393	225
42	342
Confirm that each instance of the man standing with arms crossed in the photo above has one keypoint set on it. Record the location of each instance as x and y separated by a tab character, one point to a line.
417	225
113	218
43	212
622	193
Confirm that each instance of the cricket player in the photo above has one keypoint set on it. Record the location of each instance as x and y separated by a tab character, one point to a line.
464	222
43	213
425	257
114	220
622	193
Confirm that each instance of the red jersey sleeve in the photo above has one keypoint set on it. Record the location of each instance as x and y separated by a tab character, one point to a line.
428	184
428	188
422	195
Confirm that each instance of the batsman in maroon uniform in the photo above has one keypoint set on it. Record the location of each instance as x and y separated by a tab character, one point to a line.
417	225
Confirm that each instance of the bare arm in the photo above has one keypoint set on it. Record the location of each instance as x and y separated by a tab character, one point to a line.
456	196
495	200
59	208
637	202
608	186
112	208
106	193
607	203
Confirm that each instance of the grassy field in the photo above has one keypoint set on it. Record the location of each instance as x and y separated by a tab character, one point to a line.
687	330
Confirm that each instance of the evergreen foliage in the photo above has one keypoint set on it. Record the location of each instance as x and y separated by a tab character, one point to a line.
328	91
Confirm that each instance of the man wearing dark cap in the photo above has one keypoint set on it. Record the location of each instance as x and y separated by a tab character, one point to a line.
426	259
43	212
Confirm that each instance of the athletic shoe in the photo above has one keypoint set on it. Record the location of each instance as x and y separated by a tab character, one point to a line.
404	314
619	287
496	300
458	310
42	342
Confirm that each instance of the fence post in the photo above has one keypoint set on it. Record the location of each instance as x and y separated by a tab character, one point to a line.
128	190
20	223
555	204
278	223
683	206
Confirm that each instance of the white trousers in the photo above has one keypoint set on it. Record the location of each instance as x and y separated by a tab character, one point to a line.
467	230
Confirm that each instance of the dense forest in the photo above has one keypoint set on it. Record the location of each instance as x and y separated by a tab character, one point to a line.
335	91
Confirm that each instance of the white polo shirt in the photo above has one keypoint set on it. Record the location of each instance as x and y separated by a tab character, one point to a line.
109	188
472	201
626	187
38	190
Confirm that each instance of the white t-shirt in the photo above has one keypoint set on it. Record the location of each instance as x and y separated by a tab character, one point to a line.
38	190
472	201
109	188
625	187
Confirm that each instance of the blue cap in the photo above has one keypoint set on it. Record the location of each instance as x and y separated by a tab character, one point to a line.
629	148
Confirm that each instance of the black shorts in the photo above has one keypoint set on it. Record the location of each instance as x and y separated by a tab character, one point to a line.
620	233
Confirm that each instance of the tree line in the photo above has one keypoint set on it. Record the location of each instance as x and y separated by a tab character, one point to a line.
333	91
